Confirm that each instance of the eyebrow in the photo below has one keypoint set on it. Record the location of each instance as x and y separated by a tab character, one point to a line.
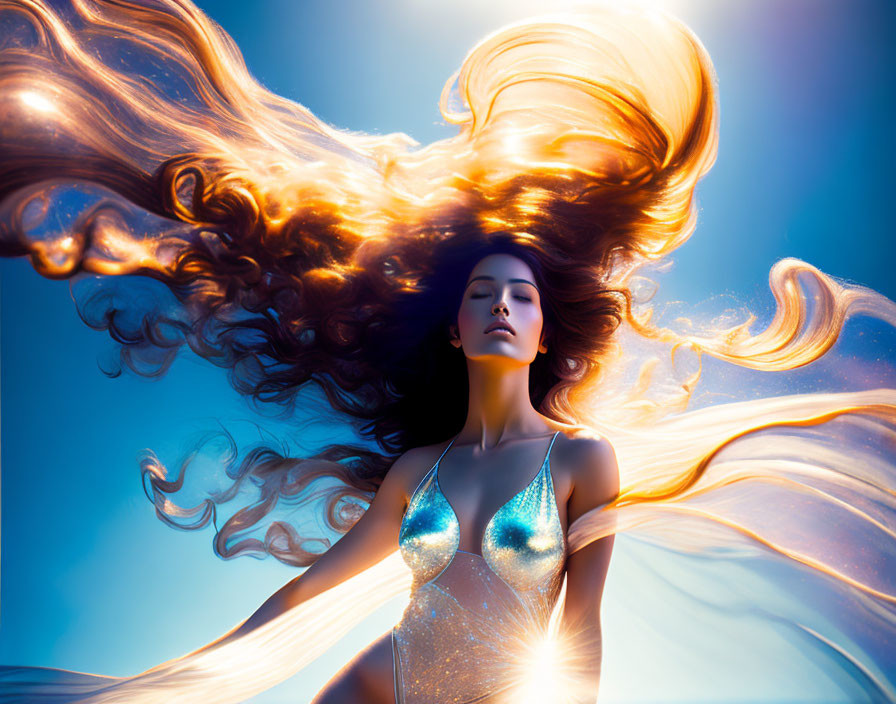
492	278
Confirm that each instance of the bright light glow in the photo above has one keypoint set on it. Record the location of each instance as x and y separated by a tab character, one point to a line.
542	683
550	669
503	11
36	101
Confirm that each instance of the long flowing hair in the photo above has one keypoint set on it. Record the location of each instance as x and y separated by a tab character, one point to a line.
296	255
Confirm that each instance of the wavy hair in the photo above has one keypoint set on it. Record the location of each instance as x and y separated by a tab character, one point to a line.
297	253
293	253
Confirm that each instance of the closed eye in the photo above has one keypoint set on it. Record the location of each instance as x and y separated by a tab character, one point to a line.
485	295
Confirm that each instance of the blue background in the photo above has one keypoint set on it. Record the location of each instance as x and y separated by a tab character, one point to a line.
90	580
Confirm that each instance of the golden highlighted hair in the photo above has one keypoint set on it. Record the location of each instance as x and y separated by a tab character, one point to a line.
291	252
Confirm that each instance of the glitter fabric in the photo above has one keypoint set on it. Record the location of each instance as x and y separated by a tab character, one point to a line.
471	621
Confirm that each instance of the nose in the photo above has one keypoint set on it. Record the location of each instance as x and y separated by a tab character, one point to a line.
499	308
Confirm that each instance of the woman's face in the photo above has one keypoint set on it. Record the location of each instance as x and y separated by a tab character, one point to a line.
500	289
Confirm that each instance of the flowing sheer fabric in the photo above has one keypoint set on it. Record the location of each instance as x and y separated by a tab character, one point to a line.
785	512
136	143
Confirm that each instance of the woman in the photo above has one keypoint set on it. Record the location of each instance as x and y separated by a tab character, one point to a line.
296	253
487	603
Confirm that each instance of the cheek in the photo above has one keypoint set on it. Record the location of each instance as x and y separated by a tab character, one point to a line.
534	320
467	316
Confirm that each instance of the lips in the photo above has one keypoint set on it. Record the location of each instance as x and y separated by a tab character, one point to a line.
500	325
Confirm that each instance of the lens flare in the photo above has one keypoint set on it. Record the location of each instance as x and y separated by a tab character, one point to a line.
552	668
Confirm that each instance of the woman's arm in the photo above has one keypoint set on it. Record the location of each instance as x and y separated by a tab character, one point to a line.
371	539
595	482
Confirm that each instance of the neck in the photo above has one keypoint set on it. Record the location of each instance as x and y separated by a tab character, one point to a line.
500	408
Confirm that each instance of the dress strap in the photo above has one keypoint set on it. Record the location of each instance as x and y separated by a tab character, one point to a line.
547	456
444	451
432	471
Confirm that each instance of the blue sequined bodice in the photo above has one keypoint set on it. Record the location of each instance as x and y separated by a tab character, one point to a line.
467	631
523	543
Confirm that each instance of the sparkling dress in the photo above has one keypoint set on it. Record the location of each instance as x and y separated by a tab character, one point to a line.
467	632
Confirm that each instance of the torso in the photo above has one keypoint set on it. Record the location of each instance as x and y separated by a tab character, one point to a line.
484	535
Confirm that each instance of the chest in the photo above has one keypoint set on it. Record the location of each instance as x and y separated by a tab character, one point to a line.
512	520
485	493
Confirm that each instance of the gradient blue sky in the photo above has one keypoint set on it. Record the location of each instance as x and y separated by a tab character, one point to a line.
90	580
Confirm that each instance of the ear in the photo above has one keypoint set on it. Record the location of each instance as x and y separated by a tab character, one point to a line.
541	343
454	336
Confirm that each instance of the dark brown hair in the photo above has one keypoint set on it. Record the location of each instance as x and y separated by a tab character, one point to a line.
377	346
301	257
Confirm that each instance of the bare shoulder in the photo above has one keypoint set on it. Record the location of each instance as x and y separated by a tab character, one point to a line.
411	466
591	468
